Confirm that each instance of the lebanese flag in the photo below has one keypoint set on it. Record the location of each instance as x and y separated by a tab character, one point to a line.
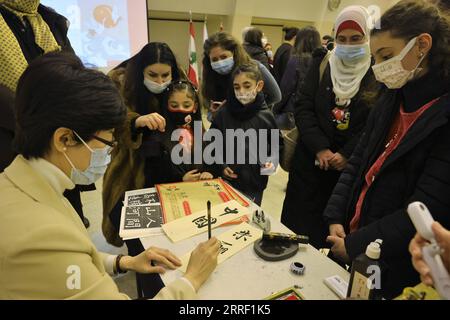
193	66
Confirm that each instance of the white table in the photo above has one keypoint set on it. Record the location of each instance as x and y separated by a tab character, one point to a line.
245	276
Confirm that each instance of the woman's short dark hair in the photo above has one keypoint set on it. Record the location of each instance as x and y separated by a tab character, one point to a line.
308	40
290	33
57	91
254	37
328	38
410	18
136	95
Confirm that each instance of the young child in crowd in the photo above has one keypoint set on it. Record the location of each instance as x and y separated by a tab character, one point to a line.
246	112
183	110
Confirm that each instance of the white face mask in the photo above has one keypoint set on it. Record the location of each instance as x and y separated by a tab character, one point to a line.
392	73
246	97
100	159
270	54
155	87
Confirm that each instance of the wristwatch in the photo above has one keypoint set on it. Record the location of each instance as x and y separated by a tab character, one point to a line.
118	270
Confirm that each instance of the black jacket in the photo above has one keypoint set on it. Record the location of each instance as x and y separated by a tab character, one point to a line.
313	115
293	79
58	25
7	123
281	60
418	170
250	178
157	149
309	188
25	36
258	53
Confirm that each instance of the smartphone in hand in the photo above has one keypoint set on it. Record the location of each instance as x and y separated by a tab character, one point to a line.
216	105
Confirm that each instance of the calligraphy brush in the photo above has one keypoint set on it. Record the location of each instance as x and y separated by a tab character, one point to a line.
208	205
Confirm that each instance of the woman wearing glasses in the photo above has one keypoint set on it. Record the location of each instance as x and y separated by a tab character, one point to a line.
64	137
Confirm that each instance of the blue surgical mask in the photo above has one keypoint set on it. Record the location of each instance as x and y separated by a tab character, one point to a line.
224	66
352	53
100	159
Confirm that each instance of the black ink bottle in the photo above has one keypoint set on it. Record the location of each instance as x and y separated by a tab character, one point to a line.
365	278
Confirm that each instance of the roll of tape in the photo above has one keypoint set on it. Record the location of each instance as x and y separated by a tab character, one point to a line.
297	268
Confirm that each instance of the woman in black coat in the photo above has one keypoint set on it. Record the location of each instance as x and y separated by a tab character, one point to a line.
330	116
307	41
283	53
253	45
404	153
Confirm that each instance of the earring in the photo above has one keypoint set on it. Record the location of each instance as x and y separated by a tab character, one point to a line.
421	55
64	149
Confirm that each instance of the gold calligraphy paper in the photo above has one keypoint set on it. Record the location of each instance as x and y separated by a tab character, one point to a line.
194	224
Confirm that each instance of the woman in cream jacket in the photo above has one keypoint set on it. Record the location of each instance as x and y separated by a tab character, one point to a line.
65	119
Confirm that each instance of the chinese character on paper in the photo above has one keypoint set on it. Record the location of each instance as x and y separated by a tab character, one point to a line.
230	211
242	234
223	247
202	221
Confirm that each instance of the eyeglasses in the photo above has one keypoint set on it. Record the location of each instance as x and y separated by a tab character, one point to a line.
112	144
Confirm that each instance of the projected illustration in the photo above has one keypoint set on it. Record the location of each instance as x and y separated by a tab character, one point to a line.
99	30
106	16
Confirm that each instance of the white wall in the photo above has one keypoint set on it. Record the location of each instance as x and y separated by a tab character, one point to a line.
219	7
176	35
327	18
300	10
274	34
280	9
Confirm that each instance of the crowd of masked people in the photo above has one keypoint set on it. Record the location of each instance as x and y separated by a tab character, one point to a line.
369	106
